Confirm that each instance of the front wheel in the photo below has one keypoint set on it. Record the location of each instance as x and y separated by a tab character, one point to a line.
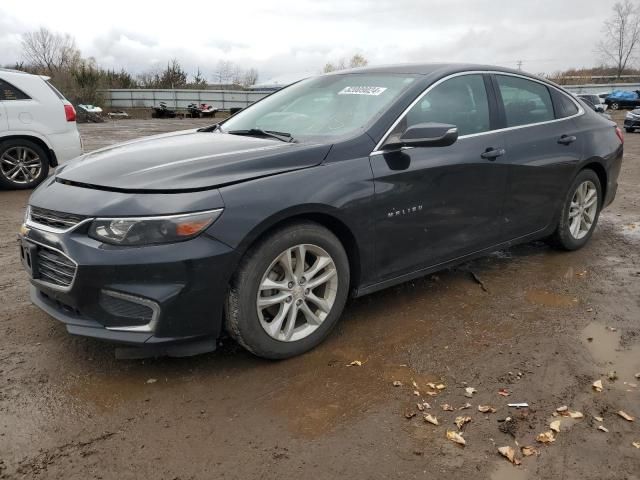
580	212
288	292
615	106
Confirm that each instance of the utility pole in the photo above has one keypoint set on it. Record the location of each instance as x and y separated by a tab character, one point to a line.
519	63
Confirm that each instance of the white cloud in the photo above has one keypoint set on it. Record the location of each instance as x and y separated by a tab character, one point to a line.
286	36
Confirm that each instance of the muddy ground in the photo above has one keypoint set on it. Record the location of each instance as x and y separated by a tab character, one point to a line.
545	326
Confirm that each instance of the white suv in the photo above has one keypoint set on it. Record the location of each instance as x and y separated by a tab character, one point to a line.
37	129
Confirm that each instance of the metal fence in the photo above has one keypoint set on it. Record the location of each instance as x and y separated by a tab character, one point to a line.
225	99
596	88
146	98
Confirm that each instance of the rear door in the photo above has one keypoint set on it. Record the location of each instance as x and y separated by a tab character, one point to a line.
435	204
4	122
543	145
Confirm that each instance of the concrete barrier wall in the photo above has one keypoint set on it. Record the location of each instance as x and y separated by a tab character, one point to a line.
146	98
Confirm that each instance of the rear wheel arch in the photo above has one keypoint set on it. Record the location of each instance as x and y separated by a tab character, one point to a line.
38	141
602	175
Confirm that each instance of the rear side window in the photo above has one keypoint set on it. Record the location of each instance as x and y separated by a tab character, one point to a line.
565	107
9	92
460	101
525	101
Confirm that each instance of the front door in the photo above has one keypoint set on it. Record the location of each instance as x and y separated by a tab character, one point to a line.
435	204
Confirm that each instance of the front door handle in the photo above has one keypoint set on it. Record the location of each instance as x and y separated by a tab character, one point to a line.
566	139
493	153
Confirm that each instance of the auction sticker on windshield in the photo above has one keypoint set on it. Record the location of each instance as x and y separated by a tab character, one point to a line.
362	91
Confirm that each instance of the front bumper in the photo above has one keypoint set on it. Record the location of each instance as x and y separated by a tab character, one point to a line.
181	285
631	123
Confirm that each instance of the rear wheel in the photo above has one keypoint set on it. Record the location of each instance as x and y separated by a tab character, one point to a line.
289	291
580	212
23	164
615	106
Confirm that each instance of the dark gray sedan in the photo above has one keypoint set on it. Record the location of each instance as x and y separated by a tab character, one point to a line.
341	184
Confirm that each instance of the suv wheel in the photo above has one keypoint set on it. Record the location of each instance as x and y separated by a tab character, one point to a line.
580	211
23	164
289	291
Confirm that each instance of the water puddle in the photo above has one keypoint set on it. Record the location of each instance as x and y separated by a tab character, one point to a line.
604	346
506	471
550	299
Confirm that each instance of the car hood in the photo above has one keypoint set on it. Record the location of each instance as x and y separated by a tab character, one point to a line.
188	160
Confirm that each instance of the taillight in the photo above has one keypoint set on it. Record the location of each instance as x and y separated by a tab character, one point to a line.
70	113
619	134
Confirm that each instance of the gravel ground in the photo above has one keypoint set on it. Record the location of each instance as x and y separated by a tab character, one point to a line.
541	324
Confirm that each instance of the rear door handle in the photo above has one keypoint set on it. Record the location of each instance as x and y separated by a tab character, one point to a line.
566	139
493	153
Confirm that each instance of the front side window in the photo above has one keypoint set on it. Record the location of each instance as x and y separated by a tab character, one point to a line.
525	101
9	92
460	101
325	106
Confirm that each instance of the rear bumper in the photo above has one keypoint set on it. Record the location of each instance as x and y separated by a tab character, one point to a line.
66	146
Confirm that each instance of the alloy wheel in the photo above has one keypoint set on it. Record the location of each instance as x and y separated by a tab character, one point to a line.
297	292
20	165
583	209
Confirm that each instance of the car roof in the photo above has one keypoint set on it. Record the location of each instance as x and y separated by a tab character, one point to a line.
430	68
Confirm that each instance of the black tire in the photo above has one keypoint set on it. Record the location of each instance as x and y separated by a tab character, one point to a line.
629	130
242	321
562	237
614	106
9	146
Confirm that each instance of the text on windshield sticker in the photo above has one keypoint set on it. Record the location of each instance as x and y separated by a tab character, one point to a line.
362	91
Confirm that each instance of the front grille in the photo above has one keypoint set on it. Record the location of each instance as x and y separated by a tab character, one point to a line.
126	306
54	267
53	219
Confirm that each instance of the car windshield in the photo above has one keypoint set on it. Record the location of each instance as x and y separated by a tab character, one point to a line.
325	106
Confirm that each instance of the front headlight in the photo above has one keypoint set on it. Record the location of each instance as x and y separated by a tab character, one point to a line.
152	230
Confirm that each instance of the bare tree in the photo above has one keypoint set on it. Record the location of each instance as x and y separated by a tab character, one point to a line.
354	62
250	77
621	36
50	52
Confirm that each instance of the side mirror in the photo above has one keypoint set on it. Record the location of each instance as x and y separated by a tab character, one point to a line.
425	135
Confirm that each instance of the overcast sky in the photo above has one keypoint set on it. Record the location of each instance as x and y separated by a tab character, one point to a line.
300	36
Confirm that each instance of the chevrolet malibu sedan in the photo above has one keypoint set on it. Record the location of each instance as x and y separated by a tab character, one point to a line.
339	185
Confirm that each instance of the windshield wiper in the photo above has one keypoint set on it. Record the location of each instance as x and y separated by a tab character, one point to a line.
282	136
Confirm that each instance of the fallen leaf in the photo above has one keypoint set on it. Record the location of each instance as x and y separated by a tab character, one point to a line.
636	444
555	426
486	409
462	421
546	437
603	429
152	380
397	383
510	454
446	407
355	363
469	391
597	385
440	386
432	394
431	385
420	406
415	385
456	437
416	393
575	414
504	392
637	375
626	416
465	406
561	409
529	450
409	414
431	419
